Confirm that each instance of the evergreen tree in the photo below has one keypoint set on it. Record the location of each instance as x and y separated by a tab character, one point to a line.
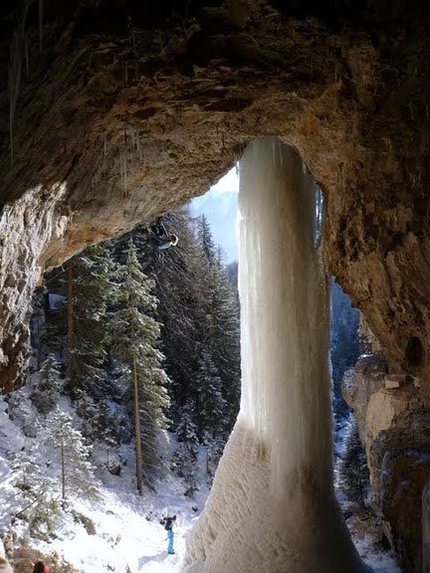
210	404
181	308
75	468
46	392
199	313
352	472
232	270
89	290
206	242
344	349
186	454
225	343
135	334
48	322
36	499
221	327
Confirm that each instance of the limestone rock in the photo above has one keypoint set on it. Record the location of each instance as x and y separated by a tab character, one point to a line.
392	424
135	108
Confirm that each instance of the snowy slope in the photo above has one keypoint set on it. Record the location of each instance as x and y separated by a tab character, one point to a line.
129	537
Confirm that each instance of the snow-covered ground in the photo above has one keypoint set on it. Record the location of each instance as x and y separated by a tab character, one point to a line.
128	536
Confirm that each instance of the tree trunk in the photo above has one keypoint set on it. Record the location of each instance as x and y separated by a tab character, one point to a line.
70	324
138	436
63	472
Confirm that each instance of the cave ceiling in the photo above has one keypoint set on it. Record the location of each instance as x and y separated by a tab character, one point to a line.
112	113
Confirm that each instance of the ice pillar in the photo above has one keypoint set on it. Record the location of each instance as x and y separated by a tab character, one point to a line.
272	506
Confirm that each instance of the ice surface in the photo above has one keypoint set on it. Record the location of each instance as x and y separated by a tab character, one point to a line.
272	506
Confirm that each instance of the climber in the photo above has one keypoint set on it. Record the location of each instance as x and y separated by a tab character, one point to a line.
160	236
168	526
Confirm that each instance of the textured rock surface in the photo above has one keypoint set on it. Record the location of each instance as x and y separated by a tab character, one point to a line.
393	425
137	109
113	111
26	228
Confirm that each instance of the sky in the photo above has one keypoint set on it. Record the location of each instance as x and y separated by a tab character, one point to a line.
219	205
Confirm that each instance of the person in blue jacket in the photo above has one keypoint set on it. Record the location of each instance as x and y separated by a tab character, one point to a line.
168	526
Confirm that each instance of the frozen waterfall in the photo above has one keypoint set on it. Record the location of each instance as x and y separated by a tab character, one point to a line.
272	506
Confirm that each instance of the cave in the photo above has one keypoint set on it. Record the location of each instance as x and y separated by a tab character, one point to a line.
113	113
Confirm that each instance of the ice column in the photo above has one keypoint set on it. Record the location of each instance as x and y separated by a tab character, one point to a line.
272	506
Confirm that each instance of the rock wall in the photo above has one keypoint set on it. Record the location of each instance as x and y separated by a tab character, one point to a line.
136	109
114	111
392	418
26	228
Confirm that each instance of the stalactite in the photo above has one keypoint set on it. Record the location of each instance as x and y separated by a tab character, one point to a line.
17	50
40	25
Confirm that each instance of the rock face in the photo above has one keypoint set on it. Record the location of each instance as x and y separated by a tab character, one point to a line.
135	110
114	111
392	424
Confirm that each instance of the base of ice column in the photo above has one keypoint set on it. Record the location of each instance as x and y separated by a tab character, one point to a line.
247	528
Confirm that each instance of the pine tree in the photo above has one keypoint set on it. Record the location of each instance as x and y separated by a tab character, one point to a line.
89	290
206	242
75	468
225	342
181	308
210	404
49	323
221	328
186	454
199	313
351	470
36	499
47	389
344	349
136	336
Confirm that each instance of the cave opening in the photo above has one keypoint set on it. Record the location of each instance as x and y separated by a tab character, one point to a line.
98	75
55	301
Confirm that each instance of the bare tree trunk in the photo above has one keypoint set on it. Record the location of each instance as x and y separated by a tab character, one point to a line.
38	337
70	324
138	436
63	472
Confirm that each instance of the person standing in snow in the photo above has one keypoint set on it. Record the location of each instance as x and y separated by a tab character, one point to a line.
168	526
5	566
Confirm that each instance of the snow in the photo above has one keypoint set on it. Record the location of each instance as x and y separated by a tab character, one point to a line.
128	533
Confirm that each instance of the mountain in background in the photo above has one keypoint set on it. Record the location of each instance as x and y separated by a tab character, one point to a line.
219	205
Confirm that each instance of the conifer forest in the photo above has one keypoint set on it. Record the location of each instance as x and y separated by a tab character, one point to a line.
143	340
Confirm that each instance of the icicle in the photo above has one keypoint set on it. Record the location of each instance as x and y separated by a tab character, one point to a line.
27	60
285	316
40	25
123	169
14	71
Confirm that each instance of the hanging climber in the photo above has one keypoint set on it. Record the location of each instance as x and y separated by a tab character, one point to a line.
160	236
